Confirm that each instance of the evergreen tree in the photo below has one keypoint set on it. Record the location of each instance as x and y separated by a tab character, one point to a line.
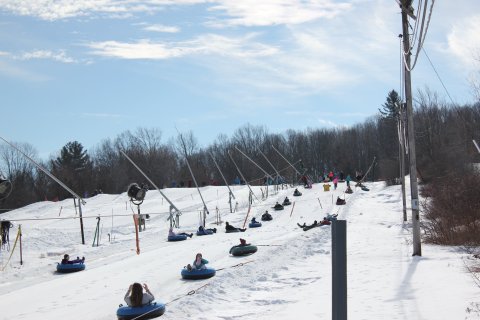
74	168
73	157
391	107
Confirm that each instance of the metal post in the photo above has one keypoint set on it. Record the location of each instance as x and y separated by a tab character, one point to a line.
226	183
339	270
20	234
417	246
81	220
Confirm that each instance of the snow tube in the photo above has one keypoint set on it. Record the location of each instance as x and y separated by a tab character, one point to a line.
278	208
243	250
297	194
233	230
198	274
148	311
267	217
67	268
254	224
177	237
286	203
365	189
204	232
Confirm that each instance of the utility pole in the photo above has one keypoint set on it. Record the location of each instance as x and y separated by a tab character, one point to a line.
407	10
401	154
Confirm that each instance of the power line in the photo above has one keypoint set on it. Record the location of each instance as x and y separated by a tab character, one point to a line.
438	76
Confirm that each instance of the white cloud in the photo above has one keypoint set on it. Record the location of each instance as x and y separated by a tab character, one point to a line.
464	40
4	53
275	12
327	123
64	9
162	28
59	56
206	44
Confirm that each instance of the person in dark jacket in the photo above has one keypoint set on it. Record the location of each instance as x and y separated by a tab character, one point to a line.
266	216
66	260
230	228
278	206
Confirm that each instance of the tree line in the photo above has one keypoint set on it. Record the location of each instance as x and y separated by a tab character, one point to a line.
443	134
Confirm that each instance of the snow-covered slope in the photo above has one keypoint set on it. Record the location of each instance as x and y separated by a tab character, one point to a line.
289	277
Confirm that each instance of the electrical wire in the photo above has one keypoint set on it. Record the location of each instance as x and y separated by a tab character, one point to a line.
438	76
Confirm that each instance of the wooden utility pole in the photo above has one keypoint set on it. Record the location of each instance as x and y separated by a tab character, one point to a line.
408	11
401	155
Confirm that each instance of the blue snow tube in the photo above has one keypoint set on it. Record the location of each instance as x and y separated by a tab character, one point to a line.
68	268
204	232
255	224
243	250
177	237
149	311
198	274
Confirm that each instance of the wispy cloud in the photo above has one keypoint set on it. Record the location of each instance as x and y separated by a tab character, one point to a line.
327	123
13	71
275	12
64	9
464	40
205	44
161	28
4	54
59	56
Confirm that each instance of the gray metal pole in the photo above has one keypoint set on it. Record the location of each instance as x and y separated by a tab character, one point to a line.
80	200
231	195
291	165
339	270
205	209
417	246
276	171
266	173
241	175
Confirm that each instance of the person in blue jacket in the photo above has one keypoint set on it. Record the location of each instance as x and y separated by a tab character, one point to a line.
199	263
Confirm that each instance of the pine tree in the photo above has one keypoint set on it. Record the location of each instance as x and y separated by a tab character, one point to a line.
73	157
74	168
391	107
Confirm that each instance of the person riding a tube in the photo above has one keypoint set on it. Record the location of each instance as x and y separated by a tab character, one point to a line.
202	229
278	206
173	234
286	200
243	243
266	216
252	221
135	297
199	263
296	192
66	260
229	227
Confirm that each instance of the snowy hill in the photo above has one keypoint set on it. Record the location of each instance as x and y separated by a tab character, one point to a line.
289	277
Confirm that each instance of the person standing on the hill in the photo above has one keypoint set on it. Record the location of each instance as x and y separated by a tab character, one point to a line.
348	179
335	182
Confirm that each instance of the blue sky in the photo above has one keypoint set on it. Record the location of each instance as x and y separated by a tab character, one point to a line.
89	70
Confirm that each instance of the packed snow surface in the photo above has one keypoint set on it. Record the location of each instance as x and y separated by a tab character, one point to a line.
289	277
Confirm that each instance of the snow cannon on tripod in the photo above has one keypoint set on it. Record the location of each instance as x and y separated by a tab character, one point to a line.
137	194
